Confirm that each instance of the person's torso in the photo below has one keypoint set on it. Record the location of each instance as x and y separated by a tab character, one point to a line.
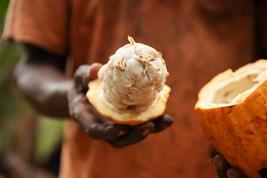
197	41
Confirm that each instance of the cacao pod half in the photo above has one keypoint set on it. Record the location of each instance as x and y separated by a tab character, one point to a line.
233	113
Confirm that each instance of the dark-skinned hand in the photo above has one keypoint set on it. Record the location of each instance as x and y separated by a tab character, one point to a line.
98	127
225	170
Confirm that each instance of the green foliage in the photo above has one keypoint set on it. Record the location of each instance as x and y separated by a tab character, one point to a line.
12	107
3	8
9	54
49	135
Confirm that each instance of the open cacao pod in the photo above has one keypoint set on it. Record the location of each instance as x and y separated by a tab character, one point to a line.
130	88
233	113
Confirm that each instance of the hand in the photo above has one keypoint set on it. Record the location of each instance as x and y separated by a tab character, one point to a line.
223	168
98	127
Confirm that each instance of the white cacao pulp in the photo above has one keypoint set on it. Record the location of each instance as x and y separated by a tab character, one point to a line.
133	77
131	84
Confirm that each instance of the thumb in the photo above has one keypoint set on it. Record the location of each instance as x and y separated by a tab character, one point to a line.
84	74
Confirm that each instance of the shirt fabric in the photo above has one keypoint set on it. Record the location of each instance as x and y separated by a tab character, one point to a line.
198	38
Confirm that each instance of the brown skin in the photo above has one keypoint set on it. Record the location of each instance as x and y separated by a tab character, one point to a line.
225	170
40	78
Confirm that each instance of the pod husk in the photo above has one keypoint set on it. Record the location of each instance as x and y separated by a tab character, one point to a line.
238	131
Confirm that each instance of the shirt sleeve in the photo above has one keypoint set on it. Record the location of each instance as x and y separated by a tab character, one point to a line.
43	23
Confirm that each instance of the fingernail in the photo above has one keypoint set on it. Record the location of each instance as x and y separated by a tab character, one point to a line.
232	173
218	162
168	117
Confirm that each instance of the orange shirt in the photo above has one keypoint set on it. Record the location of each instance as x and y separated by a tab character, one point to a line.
198	38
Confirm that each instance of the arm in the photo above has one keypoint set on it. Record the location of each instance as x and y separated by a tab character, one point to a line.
39	76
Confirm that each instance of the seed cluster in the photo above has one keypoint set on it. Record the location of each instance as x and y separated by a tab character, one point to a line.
133	77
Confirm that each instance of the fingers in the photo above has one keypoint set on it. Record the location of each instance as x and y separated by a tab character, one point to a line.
98	128
97	131
91	122
78	109
121	136
106	132
224	170
81	77
234	173
74	101
135	135
84	74
263	172
139	133
94	126
221	165
163	122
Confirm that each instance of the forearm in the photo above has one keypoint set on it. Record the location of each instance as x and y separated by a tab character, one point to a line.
44	87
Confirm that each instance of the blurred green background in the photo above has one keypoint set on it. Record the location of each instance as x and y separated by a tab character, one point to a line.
22	131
